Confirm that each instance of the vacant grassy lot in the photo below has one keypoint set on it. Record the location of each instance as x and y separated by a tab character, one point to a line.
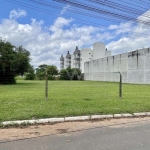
26	99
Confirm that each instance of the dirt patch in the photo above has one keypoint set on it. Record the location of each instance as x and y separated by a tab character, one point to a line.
61	128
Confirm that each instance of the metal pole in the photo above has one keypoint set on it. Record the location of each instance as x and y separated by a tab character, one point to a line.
46	84
120	86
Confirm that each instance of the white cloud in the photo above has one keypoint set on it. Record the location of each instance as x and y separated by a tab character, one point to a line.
65	9
144	17
59	24
138	37
47	44
16	14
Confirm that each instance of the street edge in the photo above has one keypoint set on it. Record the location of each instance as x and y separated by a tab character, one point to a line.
76	118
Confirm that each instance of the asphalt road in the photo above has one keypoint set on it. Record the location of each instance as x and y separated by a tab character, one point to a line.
128	136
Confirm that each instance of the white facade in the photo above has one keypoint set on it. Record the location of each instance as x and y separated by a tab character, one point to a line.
62	62
86	55
107	53
79	57
72	61
76	58
98	50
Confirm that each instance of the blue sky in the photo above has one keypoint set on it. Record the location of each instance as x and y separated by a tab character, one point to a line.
48	31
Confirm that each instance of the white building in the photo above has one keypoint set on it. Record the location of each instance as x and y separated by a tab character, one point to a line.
61	62
79	57
65	62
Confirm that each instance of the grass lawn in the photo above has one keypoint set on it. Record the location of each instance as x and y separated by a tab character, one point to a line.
26	99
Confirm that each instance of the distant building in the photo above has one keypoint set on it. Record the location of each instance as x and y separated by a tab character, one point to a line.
79	57
99	65
67	60
61	62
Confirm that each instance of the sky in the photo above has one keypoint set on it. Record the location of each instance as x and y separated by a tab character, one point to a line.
47	31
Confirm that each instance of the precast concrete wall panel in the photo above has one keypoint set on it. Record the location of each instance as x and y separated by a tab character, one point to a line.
86	67
116	63
147	66
136	76
110	64
147	77
105	63
140	60
134	67
123	62
132	60
124	77
102	66
147	59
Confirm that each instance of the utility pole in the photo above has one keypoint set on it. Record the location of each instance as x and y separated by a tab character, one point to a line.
120	86
46	84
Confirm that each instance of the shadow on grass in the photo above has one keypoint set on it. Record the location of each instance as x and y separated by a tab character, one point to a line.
25	83
87	99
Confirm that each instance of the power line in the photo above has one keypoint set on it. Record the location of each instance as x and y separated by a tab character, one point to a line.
133	4
78	11
53	13
96	16
106	12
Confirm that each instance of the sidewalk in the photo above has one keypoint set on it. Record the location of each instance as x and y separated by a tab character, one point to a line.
61	129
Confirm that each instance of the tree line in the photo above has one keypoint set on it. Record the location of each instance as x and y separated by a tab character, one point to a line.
53	73
15	61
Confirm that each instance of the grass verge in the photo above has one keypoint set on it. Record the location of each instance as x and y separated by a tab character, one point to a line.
26	99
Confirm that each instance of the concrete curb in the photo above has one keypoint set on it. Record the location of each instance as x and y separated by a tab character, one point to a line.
76	118
40	121
101	117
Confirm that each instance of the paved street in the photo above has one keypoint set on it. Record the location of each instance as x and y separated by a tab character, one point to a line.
123	136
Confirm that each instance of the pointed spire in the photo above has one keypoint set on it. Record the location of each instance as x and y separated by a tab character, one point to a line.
68	55
77	51
61	58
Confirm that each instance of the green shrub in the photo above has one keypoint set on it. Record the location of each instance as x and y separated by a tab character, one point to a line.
51	77
29	76
19	78
70	74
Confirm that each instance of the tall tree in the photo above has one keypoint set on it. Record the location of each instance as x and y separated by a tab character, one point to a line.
40	71
51	70
13	61
30	74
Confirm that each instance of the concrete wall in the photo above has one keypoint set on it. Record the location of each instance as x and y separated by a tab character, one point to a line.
139	66
134	67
